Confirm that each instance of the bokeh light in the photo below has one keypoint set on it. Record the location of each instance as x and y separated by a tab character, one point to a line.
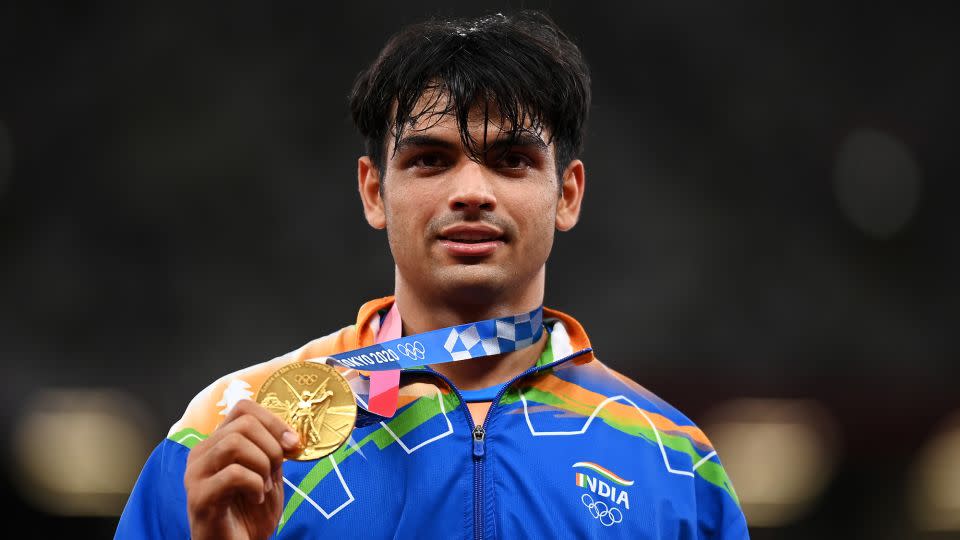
935	482
780	455
877	182
78	452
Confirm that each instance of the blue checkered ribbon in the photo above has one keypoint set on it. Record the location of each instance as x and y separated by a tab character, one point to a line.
452	344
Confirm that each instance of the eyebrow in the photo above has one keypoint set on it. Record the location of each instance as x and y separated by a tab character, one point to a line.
522	139
424	141
427	141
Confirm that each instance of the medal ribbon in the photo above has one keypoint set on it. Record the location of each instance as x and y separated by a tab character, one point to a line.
451	344
385	385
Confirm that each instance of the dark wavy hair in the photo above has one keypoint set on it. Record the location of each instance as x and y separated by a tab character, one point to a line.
520	66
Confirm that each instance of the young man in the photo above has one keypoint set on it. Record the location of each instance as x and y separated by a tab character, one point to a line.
472	130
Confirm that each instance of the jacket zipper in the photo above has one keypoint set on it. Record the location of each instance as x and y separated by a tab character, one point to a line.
480	434
479	441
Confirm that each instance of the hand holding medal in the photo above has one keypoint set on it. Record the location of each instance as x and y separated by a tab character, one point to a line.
234	477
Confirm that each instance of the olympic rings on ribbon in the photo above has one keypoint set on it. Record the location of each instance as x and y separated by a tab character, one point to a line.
413	351
599	510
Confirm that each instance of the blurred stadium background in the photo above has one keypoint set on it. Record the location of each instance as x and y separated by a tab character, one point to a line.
769	239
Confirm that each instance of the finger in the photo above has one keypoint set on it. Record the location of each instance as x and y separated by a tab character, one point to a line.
231	481
278	486
235	448
251	428
283	433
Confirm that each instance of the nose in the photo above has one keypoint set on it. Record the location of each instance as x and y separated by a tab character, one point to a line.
471	189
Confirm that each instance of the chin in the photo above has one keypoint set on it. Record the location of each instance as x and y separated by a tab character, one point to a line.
474	284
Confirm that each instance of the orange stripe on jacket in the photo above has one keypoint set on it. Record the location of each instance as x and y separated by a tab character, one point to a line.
587	401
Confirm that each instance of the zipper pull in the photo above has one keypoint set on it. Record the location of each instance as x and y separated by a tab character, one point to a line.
479	435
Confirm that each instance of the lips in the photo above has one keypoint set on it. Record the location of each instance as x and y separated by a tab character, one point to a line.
471	240
471	237
471	234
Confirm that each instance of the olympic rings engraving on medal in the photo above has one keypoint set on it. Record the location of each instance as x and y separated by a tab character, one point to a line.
600	511
413	351
306	378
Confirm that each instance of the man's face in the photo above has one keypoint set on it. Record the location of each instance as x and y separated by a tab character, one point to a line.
466	229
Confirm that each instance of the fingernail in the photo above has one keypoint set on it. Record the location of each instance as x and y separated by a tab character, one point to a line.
262	498
269	485
290	440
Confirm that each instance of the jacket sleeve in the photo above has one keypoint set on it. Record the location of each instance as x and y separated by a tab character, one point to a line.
157	507
719	514
730	523
735	528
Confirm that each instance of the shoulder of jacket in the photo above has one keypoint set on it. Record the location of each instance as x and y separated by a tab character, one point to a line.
613	393
209	408
597	391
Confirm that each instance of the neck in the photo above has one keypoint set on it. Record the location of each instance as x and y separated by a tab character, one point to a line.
424	312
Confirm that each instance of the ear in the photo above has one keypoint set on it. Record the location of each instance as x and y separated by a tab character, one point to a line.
368	183
571	195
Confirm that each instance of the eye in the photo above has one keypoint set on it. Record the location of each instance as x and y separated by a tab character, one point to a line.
513	161
429	161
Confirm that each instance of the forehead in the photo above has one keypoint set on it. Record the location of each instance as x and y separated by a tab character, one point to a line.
436	113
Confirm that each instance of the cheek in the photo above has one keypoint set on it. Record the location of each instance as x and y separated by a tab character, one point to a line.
407	219
537	218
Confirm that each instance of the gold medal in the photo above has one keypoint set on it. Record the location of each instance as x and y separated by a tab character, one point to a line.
316	401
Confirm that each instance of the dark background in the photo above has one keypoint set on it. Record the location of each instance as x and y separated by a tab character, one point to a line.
178	200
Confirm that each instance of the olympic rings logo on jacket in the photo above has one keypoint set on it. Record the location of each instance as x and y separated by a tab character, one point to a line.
599	510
